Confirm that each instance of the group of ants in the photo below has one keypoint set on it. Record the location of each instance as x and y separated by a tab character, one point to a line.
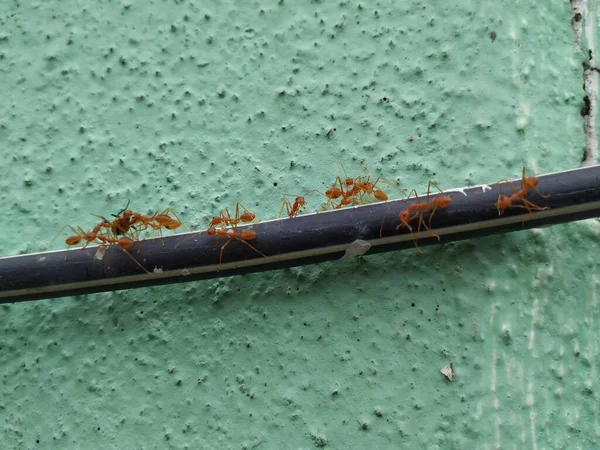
126	226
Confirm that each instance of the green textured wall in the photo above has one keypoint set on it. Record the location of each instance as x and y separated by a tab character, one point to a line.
197	105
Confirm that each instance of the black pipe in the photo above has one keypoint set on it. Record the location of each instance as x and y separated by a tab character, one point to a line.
307	239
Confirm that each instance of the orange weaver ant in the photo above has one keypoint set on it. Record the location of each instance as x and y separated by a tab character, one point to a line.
123	243
292	209
369	188
224	219
418	209
105	239
353	190
247	234
128	219
527	184
79	236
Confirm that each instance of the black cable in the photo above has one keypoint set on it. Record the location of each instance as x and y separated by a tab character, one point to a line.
307	239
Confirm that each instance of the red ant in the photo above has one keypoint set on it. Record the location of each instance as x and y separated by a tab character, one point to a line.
369	188
527	184
105	239
292	209
158	220
123	243
224	218
357	188
418	209
247	234
79	236
441	201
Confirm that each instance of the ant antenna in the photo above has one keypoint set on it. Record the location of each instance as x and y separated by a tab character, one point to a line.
123	210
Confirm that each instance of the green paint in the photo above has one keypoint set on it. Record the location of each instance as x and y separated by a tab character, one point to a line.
197	107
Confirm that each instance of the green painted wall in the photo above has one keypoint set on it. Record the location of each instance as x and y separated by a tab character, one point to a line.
196	105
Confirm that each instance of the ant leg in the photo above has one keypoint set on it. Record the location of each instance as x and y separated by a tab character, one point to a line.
233	222
434	184
531	184
428	228
247	213
530	206
540	194
221	253
405	224
431	217
415	239
340	164
132	258
505	181
61	230
173	213
285	204
135	261
533	205
414	191
241	240
237	213
251	246
187	239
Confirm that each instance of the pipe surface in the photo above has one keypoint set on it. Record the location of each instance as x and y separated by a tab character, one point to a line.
307	239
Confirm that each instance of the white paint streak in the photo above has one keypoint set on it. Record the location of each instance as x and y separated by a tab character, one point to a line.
534	317
493	380
523	116
494	307
497	423
461	190
581	12
594	369
532	425
495	400
508	368
529	401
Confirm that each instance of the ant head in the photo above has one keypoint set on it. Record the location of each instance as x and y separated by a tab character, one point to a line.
404	216
217	220
212	230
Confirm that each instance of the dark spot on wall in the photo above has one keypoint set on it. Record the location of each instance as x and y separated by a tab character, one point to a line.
585	109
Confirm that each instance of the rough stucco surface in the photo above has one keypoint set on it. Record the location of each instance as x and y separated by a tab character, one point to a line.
184	105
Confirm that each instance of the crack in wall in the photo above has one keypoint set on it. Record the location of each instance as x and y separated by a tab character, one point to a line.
589	110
